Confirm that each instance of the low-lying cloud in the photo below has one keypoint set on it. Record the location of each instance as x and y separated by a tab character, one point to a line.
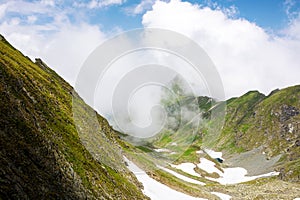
246	55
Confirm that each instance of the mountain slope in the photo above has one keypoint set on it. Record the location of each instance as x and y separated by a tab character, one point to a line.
41	155
238	110
259	139
270	123
257	128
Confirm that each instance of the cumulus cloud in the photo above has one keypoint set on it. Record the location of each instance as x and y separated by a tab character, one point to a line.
48	2
140	8
25	7
246	55
31	19
291	8
3	8
61	44
103	3
64	50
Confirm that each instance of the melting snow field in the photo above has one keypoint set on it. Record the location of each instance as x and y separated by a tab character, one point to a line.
157	191
187	168
222	196
208	166
238	175
229	176
213	154
154	189
187	179
162	150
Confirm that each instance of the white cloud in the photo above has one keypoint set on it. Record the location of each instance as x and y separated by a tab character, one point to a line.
65	50
103	3
61	44
293	30
31	19
246	56
140	8
289	8
3	8
15	21
48	2
68	48
25	7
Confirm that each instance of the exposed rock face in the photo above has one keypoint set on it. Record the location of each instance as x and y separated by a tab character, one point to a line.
40	63
287	112
297	143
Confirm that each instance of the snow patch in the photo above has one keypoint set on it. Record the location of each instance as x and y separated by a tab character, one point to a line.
291	128
154	189
214	154
238	175
222	196
230	175
187	168
162	150
200	151
180	176
208	166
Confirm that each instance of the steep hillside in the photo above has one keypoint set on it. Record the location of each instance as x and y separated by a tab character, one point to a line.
237	111
41	155
269	123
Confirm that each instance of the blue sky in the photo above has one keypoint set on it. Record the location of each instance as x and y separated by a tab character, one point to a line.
266	13
272	15
242	37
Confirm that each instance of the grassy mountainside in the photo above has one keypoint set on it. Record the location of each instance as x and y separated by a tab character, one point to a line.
237	111
258	130
268	125
271	123
41	155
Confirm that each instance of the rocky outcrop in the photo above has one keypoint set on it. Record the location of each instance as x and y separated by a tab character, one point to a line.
288	112
41	64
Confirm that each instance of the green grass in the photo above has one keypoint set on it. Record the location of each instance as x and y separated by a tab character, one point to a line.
39	132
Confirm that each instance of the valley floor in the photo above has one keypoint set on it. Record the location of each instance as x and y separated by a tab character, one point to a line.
182	182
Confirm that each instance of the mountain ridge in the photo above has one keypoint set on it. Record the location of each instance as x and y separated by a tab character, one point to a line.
42	156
